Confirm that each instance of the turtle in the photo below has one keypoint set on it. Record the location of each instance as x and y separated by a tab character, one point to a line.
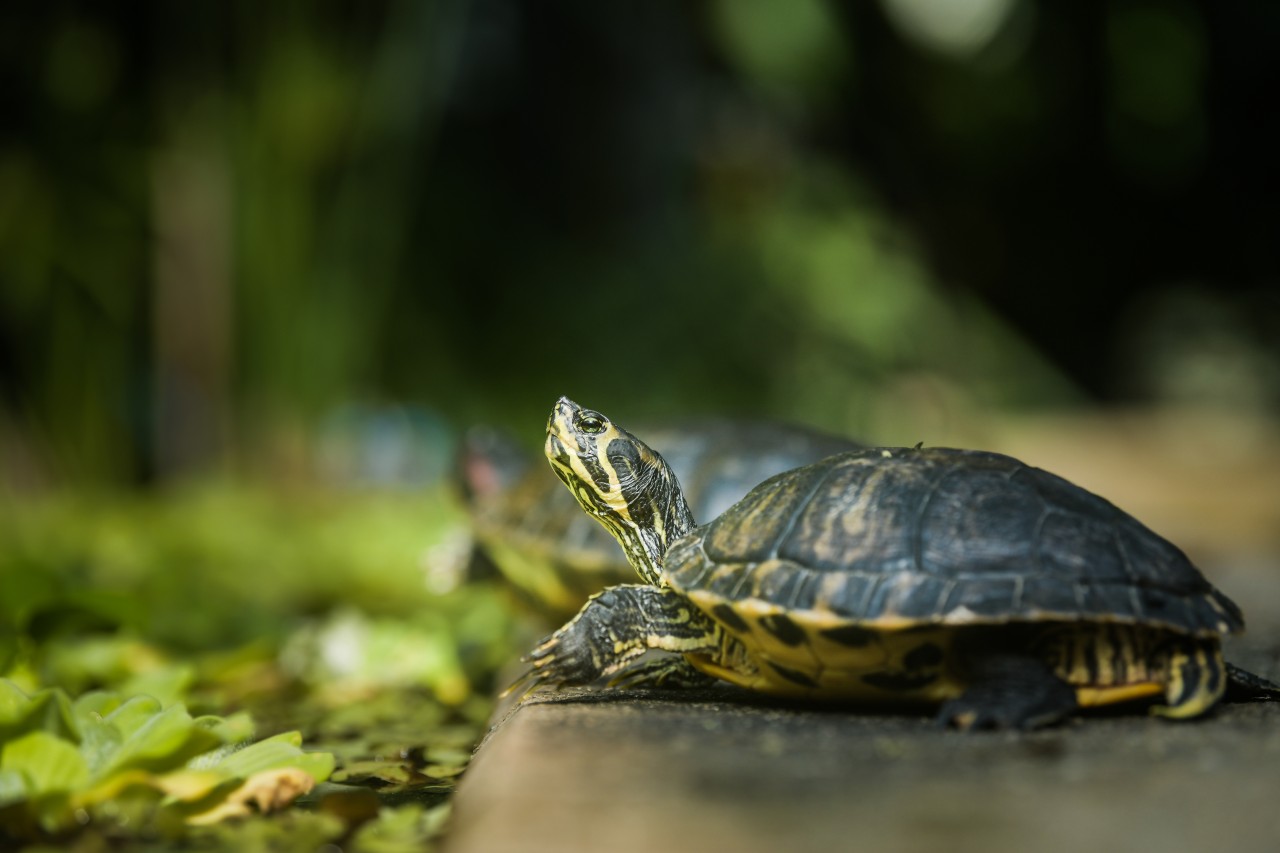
530	531
998	593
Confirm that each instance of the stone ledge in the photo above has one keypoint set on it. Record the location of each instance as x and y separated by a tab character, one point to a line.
714	771
723	770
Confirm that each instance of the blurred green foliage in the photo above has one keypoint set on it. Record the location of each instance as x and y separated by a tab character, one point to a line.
221	224
131	760
315	611
215	565
219	567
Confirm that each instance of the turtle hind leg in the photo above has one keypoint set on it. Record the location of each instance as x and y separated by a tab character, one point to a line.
1244	686
1009	691
1197	680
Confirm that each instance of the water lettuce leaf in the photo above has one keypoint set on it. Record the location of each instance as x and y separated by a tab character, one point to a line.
64	762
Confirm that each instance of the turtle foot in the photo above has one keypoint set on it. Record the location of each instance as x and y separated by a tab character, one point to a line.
1009	693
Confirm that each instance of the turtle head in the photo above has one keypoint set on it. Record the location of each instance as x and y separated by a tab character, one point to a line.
619	480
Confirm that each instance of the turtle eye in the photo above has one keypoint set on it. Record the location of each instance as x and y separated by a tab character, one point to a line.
591	423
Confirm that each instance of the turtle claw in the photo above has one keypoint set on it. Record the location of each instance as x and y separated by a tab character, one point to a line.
542	670
525	678
530	680
561	660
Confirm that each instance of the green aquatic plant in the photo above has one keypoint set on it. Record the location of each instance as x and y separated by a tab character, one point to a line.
315	615
110	758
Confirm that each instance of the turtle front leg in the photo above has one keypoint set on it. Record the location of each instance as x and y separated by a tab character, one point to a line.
614	627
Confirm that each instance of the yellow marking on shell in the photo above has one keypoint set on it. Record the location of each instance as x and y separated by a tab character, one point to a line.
749	680
838	670
1223	626
817	619
1136	662
1091	697
1107	662
854	533
1113	661
1207	659
1079	665
1174	685
1105	656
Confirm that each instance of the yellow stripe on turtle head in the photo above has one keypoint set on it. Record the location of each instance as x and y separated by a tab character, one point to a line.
618	479
577	448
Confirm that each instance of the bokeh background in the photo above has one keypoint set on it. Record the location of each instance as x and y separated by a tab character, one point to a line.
228	231
263	265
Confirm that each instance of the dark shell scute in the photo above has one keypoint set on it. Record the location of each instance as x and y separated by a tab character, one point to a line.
857	593
983	596
1149	559
1075	547
1050	593
778	581
1110	598
1155	601
750	530
1061	493
854	520
979	519
786	586
910	595
938	535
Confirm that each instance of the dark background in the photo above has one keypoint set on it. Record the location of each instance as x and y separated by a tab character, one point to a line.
232	234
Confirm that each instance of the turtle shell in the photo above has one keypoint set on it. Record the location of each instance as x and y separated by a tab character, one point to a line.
533	530
893	538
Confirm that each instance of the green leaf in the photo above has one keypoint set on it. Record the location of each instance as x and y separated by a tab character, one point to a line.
274	753
13	702
168	684
13	787
97	703
155	739
401	830
294	830
47	763
100	743
235	729
48	710
134	714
